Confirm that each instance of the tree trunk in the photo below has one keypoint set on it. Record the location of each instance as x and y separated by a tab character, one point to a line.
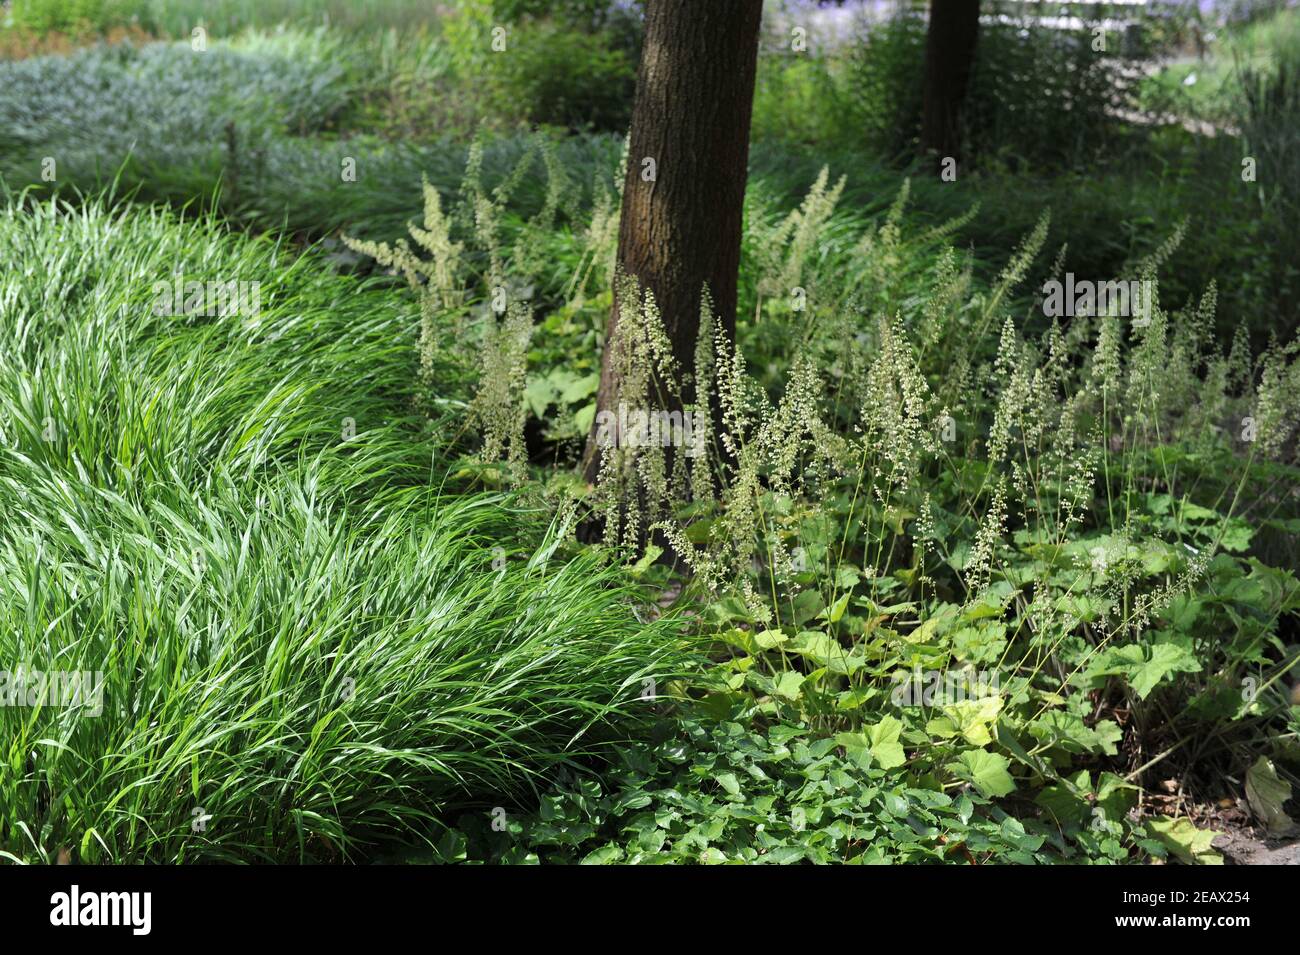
949	56
680	231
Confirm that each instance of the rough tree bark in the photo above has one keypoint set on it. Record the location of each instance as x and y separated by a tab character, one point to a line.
949	56
681	231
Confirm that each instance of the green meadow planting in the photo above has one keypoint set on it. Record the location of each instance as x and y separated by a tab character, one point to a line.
494	432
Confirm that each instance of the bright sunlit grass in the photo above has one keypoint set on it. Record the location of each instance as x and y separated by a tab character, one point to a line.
305	645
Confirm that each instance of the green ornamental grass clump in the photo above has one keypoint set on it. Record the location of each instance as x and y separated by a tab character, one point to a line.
296	644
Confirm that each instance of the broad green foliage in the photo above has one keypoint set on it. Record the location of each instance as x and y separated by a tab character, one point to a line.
1267	795
721	792
985	553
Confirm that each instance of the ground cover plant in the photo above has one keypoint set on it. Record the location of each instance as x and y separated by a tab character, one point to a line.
307	332
1078	529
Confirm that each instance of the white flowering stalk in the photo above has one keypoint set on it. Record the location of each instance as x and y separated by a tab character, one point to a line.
436	279
498	409
638	481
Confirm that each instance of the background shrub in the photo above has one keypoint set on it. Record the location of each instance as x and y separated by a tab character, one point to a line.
556	76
